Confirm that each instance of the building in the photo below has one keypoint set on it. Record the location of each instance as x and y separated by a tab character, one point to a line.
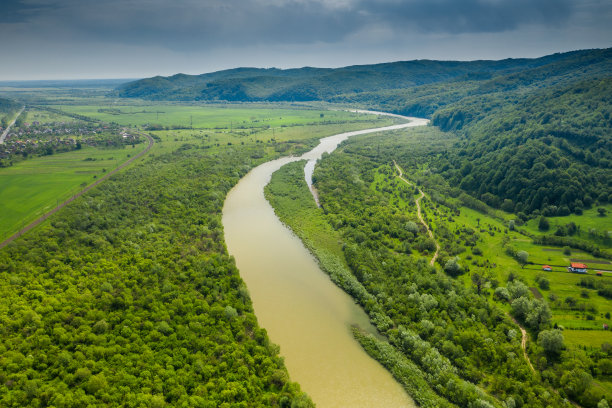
577	267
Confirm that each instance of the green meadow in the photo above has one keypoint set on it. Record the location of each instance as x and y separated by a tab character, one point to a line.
33	187
591	308
42	116
212	116
211	126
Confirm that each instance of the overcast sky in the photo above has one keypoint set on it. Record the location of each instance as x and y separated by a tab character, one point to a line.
63	39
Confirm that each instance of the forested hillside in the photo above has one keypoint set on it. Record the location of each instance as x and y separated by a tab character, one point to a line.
535	132
549	151
317	84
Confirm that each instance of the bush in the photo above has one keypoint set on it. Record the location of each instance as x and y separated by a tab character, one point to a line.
502	293
543	224
551	341
452	267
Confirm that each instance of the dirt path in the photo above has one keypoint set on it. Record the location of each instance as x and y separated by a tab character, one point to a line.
77	195
523	342
419	213
8	128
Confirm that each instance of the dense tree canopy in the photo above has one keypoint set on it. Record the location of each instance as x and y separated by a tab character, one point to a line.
129	298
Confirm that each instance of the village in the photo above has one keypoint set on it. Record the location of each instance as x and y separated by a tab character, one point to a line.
41	139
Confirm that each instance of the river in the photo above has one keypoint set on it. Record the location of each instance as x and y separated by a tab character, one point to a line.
301	308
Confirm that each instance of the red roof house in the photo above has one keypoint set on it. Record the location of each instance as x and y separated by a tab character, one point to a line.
577	267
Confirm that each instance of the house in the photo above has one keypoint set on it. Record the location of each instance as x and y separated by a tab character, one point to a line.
577	267
546	268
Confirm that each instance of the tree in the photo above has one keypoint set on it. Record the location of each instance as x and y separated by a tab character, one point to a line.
539	315
551	341
543	224
521	306
521	257
511	225
502	293
478	280
602	211
452	267
412	227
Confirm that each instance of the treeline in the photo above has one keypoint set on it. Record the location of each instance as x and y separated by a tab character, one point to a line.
129	298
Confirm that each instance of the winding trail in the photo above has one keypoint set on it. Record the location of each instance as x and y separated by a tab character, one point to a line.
419	213
8	128
523	342
77	195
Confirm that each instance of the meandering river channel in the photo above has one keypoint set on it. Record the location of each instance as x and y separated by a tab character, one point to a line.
301	308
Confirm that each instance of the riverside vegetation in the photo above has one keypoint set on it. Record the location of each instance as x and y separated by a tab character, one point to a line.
128	296
448	324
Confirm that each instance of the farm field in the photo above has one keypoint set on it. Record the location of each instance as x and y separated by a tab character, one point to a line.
211	126
32	187
212	116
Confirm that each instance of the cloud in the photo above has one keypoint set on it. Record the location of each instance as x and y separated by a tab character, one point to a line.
18	11
468	16
189	25
88	38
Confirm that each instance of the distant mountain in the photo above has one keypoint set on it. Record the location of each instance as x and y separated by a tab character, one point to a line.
323	84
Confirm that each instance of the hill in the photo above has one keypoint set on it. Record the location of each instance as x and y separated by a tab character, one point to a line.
535	132
314	84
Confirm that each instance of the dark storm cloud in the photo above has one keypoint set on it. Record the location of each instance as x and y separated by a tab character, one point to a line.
468	16
201	24
18	11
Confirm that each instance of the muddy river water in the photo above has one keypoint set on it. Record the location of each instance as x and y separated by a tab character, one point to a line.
301	308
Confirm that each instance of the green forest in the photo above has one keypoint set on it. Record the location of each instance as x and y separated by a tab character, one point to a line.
452	323
129	298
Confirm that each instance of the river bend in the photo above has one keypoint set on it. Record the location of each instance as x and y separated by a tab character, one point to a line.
301	308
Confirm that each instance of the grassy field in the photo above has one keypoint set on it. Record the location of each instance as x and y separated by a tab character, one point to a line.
589	222
563	284
41	116
32	187
212	116
587	337
212	126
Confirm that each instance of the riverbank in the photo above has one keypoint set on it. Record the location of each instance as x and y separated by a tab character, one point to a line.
308	316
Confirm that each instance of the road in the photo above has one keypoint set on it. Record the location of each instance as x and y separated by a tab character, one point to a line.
419	214
77	195
8	128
